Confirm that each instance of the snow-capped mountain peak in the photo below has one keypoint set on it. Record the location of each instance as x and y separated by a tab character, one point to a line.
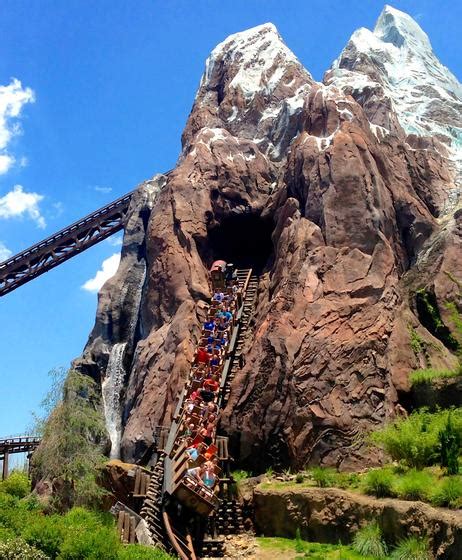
259	57
398	28
394	74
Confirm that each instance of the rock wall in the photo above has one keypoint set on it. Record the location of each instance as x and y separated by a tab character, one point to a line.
329	515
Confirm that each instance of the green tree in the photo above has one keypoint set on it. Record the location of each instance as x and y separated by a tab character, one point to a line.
73	437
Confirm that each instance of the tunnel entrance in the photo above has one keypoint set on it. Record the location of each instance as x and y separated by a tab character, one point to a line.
243	239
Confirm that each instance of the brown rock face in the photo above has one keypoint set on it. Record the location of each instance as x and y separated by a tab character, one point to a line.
289	176
331	515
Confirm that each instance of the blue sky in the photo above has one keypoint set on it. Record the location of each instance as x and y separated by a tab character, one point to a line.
105	90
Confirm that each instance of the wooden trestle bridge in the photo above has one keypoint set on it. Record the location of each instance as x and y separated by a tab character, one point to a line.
16	444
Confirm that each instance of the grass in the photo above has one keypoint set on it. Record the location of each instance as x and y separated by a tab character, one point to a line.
369	541
300	549
414	485
379	483
426	376
448	492
429	485
412	548
323	477
415	440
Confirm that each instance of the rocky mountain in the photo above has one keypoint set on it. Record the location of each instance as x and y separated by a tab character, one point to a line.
345	196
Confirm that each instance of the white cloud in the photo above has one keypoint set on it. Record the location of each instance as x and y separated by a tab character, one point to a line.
108	269
6	162
5	253
17	203
12	99
115	241
104	190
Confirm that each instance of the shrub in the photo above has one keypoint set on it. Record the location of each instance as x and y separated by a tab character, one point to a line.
240	475
412	548
17	484
299	478
415	485
422	376
139	552
15	514
46	534
415	440
449	492
379	483
90	544
450	444
368	541
323	477
17	549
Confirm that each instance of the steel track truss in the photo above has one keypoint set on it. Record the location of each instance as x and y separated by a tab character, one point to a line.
63	245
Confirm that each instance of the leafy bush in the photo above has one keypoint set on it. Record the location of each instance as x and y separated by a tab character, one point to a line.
379	483
45	533
323	477
412	548
90	545
15	514
415	485
422	376
240	475
415	440
17	484
449	492
368	541
139	552
17	549
299	478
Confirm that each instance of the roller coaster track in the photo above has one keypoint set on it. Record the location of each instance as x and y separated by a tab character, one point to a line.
63	245
166	489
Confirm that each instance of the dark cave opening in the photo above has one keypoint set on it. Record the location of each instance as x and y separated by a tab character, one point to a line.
243	239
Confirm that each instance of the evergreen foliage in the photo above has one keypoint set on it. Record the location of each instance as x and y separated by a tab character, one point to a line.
70	452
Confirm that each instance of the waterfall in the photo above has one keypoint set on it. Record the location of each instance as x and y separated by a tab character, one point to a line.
112	389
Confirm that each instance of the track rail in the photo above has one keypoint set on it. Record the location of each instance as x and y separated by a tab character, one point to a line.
63	245
175	463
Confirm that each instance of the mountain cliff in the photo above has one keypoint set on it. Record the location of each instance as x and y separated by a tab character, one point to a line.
344	195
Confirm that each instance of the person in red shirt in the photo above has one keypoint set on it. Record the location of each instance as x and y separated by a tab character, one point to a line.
202	357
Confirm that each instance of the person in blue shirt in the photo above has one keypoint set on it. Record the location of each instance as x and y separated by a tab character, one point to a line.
209	326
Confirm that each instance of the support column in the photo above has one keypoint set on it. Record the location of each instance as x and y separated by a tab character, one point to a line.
5	466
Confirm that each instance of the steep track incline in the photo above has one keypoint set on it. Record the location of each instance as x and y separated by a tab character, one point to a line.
167	509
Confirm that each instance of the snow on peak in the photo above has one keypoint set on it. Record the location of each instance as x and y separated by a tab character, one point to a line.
398	28
257	57
394	66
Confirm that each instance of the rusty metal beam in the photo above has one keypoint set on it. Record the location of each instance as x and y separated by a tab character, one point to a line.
63	245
